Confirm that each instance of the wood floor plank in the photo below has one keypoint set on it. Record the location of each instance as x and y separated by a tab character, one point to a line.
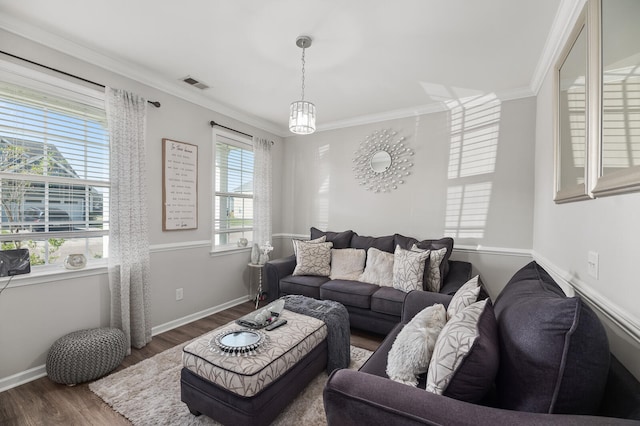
43	402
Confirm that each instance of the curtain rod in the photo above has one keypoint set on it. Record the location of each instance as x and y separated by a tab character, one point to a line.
213	123
154	103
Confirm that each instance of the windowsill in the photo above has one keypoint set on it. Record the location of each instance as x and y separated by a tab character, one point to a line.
226	250
47	274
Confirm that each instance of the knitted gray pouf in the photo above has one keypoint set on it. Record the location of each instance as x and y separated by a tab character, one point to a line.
85	355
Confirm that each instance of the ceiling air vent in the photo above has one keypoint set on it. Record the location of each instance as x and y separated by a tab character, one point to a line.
195	83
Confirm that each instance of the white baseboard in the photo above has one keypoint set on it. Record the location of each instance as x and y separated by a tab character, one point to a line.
32	374
196	316
627	323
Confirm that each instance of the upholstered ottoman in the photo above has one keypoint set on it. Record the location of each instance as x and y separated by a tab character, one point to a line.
253	388
85	355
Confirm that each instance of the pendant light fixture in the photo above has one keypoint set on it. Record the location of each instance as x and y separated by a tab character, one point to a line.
302	114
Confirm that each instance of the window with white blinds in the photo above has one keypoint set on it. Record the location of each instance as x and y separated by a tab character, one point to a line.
233	206
54	175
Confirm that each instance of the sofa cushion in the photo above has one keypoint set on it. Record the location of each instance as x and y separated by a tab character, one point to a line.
306	285
388	300
466	356
411	351
446	242
313	259
349	293
379	268
381	243
347	264
554	352
465	296
339	239
408	269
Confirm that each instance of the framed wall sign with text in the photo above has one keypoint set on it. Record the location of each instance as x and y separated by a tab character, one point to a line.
179	185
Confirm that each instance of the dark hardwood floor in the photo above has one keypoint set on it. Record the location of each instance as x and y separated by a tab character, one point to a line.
43	402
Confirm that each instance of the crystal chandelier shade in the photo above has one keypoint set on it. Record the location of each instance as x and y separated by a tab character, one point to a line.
302	114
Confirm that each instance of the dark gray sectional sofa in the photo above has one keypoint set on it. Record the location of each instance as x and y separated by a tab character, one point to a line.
553	368
371	307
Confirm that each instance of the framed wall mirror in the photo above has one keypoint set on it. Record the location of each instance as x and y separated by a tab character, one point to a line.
616	49
571	106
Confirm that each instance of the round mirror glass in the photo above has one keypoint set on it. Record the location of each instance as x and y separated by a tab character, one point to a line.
380	161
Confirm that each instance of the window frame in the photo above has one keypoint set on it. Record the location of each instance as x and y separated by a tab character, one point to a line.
46	83
241	142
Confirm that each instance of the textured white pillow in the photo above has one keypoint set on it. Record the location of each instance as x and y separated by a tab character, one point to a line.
347	264
465	296
434	280
408	269
411	352
454	343
317	240
313	259
379	269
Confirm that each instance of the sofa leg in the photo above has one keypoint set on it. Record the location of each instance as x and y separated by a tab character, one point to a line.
194	412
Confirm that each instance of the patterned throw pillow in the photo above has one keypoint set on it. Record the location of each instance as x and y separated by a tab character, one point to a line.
465	296
466	355
434	276
347	264
317	240
313	259
410	353
408	269
379	269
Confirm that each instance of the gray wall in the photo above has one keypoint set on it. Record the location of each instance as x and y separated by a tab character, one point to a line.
320	189
563	234
41	309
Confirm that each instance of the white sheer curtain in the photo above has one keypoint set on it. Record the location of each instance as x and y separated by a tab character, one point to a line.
261	190
129	265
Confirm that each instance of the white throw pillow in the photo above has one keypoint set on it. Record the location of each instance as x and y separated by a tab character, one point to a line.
317	240
379	269
313	259
454	344
434	280
408	269
347	264
411	352
465	296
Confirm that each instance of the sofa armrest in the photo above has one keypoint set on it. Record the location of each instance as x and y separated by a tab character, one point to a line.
417	300
459	273
274	270
356	398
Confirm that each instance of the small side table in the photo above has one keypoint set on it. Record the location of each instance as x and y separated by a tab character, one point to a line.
259	290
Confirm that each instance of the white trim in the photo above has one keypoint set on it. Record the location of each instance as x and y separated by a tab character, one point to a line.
500	251
22	377
186	245
629	324
35	373
198	315
55	273
567	14
228	251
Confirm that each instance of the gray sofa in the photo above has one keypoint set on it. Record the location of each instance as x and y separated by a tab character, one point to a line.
553	366
371	307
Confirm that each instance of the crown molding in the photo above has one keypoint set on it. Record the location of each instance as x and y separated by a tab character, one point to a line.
142	75
567	14
507	95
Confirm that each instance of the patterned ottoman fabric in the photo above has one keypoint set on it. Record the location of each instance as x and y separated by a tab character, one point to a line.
247	376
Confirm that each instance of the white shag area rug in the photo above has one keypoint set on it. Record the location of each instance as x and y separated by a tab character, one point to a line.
148	393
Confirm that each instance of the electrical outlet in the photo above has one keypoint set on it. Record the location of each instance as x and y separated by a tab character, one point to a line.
592	264
179	294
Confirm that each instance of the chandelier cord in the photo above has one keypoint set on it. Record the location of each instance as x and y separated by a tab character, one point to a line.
303	63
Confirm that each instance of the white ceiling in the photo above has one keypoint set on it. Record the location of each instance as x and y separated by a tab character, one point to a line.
370	59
